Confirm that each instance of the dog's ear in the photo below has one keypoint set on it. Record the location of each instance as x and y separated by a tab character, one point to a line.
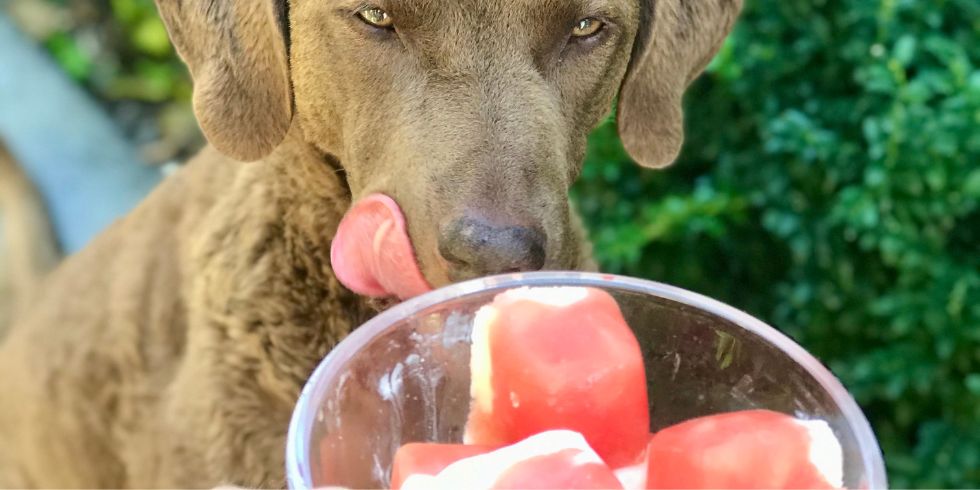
236	51
675	42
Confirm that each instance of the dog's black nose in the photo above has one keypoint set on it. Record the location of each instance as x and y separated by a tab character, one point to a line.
475	248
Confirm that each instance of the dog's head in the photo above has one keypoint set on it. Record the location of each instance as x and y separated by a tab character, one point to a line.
472	114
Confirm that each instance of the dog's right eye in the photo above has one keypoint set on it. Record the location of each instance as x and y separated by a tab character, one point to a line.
375	17
587	27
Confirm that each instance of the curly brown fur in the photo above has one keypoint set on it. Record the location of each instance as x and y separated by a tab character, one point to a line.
169	352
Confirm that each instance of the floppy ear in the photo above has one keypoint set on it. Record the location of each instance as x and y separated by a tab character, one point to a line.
675	42
236	51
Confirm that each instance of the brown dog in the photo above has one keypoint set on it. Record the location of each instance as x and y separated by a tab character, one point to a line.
169	353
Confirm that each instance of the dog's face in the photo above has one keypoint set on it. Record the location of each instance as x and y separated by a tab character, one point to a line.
472	114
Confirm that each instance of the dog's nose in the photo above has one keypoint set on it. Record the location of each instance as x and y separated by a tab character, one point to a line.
474	248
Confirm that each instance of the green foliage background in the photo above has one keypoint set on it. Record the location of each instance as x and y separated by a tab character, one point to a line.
830	186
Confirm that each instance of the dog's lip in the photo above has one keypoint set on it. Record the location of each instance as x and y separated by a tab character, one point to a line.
372	254
438	272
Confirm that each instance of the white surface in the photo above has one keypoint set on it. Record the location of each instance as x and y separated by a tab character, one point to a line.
826	453
481	472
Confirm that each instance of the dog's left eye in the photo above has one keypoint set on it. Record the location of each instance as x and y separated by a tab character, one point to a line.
376	17
587	27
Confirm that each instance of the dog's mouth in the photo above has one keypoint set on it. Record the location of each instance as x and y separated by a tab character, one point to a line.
372	254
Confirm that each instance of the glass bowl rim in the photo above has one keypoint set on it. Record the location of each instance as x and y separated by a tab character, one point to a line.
298	469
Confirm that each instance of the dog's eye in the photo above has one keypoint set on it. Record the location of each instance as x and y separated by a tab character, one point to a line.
376	17
587	27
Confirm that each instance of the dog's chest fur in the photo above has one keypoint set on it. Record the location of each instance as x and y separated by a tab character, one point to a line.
204	312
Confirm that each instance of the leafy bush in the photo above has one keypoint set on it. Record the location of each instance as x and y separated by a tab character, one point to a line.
830	186
119	51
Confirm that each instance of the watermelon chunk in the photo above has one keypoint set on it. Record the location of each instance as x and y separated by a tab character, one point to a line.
419	458
558	358
747	449
553	459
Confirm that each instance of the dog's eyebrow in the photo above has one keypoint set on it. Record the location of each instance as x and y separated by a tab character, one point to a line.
604	7
581	8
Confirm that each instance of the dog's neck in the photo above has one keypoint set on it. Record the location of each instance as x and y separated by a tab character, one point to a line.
267	236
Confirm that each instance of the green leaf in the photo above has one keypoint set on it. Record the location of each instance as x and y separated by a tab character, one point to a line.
905	50
150	37
69	55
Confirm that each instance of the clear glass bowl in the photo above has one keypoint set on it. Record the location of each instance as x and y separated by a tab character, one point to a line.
404	377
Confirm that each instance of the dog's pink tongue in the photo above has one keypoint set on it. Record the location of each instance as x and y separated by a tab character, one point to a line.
372	254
